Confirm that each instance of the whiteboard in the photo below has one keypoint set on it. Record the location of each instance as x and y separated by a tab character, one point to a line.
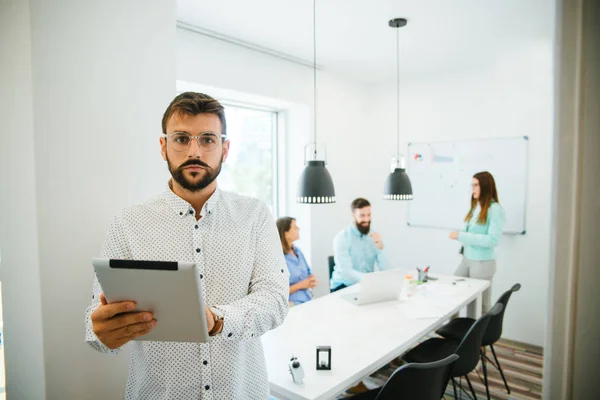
441	172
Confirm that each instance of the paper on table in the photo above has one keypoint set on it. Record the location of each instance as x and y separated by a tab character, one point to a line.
444	289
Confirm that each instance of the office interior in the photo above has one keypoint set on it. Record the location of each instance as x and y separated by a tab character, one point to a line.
84	85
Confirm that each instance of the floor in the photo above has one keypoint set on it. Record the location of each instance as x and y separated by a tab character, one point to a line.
522	366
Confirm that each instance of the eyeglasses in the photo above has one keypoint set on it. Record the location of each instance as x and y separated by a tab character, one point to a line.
181	141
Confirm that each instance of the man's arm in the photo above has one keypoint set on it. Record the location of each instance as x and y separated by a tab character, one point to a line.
382	260
343	260
381	257
266	305
115	246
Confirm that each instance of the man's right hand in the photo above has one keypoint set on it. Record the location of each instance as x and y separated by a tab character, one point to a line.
115	324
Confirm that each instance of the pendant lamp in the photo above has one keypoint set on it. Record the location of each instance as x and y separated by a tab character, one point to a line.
315	185
397	185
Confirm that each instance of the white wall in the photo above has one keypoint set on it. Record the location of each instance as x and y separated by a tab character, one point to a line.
83	143
357	123
511	98
91	83
207	61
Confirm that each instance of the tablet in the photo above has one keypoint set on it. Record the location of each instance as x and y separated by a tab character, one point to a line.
170	290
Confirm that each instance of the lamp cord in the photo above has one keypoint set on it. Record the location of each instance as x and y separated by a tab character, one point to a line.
398	95
315	74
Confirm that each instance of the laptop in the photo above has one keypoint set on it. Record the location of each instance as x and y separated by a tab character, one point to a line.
377	287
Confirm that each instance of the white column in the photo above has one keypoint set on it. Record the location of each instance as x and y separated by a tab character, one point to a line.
88	83
571	352
20	274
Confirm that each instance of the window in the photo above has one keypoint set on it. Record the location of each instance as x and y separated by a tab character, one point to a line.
251	167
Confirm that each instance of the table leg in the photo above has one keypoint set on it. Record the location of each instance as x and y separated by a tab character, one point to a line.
474	308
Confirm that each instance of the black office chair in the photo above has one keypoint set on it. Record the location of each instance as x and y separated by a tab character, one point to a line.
468	350
424	381
455	330
331	262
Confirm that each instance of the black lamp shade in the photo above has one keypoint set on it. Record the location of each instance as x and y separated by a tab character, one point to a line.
397	186
315	185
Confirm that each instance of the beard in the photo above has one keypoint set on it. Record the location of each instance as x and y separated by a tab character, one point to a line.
209	174
363	228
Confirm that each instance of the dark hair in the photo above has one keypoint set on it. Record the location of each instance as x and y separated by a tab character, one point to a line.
487	195
283	225
192	103
359	203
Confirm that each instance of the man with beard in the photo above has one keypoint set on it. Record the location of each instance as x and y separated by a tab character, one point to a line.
356	250
233	241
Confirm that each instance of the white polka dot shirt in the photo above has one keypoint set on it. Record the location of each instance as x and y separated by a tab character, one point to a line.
237	249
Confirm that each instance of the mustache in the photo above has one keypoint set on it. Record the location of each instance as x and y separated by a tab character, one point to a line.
194	162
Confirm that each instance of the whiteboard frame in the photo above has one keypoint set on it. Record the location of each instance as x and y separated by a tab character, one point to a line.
524	137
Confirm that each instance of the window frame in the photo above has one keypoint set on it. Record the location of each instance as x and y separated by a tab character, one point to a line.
276	117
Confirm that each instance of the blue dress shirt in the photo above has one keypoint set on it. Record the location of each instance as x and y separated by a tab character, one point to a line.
299	271
355	255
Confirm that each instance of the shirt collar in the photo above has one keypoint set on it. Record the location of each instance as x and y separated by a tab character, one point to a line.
182	207
355	230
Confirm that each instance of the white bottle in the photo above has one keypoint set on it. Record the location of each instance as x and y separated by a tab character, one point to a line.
407	288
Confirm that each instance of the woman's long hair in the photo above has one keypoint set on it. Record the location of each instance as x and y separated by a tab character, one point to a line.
283	225
487	195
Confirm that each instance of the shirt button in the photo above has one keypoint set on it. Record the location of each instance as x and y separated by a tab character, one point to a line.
205	362
201	276
196	226
206	387
191	211
230	334
198	251
180	213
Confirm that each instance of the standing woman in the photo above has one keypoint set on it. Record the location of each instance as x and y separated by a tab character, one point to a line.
482	232
301	278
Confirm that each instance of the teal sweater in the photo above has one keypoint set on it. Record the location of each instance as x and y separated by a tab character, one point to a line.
479	240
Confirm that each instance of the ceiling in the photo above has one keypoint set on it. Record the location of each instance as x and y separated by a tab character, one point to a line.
354	39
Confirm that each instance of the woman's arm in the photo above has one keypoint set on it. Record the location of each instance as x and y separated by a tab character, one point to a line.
305	283
299	286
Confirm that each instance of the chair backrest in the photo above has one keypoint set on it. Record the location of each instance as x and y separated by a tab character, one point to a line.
418	381
469	347
331	262
494	329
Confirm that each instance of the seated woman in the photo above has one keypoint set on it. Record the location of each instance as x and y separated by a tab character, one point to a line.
301	279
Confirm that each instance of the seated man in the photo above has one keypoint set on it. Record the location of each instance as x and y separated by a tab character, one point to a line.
355	250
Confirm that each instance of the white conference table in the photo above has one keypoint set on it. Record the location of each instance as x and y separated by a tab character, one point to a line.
362	338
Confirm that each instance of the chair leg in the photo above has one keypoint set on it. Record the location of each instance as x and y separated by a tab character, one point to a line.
454	388
500	368
471	387
485	377
477	371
